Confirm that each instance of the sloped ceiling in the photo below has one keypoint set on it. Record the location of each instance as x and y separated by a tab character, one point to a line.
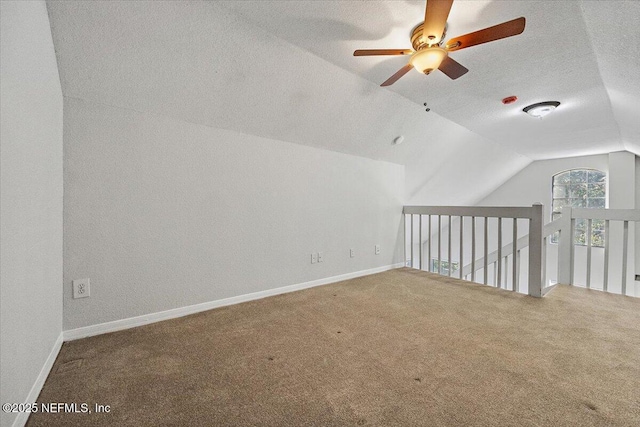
615	35
284	70
561	56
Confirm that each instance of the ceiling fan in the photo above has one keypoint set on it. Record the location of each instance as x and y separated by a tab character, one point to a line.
430	53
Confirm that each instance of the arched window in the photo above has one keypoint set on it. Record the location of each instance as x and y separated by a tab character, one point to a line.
581	188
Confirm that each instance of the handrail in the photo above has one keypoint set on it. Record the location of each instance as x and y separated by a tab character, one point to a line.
610	214
524	212
551	227
521	243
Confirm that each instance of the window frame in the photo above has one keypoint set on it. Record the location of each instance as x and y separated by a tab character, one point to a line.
597	231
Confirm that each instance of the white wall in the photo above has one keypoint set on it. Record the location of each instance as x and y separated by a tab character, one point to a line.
621	184
622	195
457	167
161	214
533	183
31	199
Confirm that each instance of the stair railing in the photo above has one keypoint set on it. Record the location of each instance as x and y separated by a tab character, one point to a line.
533	241
536	240
618	218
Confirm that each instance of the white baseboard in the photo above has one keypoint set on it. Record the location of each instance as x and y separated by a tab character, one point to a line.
548	289
32	397
132	322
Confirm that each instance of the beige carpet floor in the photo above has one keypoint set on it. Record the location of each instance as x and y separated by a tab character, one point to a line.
400	348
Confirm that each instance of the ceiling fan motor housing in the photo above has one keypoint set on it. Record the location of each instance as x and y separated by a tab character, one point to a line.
419	41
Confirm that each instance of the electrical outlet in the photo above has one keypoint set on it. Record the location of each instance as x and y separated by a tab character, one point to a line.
377	249
81	288
352	253
314	258
320	257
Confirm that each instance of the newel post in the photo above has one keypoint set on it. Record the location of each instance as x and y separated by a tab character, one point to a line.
565	244
535	251
404	240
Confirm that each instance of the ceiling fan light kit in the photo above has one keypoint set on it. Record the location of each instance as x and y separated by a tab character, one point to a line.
541	109
429	59
427	40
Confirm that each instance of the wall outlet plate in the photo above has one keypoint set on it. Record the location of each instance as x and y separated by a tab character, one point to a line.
320	257
81	288
377	249
352	253
314	258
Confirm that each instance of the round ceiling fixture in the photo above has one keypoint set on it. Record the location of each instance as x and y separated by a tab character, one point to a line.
509	100
541	109
428	59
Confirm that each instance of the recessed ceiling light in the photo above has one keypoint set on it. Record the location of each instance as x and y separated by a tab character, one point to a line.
541	109
398	140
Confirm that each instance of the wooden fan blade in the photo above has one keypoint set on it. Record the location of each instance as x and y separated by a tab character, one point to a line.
452	68
497	32
371	52
435	19
401	72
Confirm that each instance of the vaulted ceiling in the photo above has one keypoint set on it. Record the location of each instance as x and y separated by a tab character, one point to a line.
285	70
584	54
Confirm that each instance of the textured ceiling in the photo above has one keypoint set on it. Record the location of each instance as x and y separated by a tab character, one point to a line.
284	70
614	28
554	59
